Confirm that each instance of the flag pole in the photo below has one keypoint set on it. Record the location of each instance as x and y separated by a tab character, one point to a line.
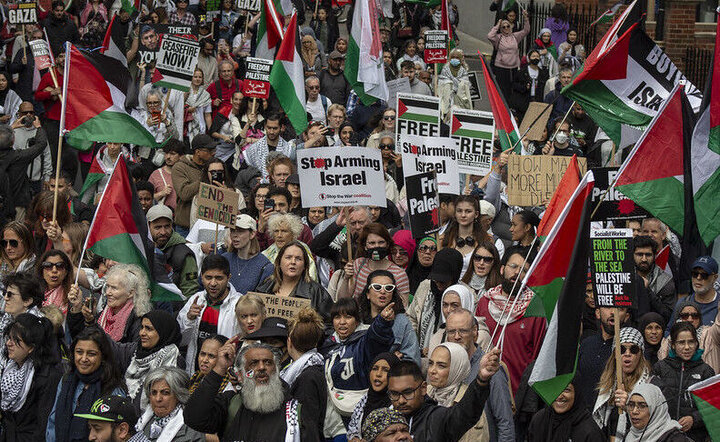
52	61
63	96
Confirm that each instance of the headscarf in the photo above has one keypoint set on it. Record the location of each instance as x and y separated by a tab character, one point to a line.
166	327
459	370
378	421
467	300
645	320
415	271
631	335
404	239
660	421
379	399
555	427
446	267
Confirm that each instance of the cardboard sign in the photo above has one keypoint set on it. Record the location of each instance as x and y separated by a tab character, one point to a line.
282	306
532	179
423	203
257	77
416	115
217	204
474	86
473	132
615	206
535	109
436	43
176	62
396	86
341	176
22	13
422	154
249	5
612	267
41	54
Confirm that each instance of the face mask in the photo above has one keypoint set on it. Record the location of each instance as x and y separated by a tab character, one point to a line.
376	253
535	61
454	62
561	137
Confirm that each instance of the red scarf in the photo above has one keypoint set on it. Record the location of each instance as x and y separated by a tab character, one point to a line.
114	323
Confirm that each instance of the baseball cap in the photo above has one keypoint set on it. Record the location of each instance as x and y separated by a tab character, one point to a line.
245	221
203	141
706	263
112	408
159	211
271	328
336	54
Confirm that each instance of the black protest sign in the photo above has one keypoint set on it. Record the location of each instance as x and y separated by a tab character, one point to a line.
257	77
615	206
423	203
22	13
474	85
612	267
249	5
151	37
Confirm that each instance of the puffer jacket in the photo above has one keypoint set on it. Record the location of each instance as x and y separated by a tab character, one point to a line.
674	376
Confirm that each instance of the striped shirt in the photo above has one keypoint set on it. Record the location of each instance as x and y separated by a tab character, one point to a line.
362	271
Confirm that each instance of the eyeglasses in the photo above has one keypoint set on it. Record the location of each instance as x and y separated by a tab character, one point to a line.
30	112
49	265
482	258
459	331
389	117
633	349
384	287
387	146
408	394
632	405
688	315
153	103
700	275
9	294
13	243
428	249
506	27
313	87
399	251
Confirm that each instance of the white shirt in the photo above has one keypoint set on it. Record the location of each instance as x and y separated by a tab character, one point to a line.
316	109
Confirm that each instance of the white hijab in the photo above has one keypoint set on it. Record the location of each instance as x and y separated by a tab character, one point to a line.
467	300
659	423
459	370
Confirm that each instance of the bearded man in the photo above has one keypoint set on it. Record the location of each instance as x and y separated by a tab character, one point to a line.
262	410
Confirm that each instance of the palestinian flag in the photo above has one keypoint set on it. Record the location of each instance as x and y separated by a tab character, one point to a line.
94	106
706	395
609	15
563	193
113	43
625	80
270	29
420	108
131	6
364	67
652	175
705	154
97	171
471	124
505	124
287	77
558	276
662	260
119	231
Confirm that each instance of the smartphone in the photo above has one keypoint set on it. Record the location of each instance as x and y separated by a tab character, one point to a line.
155	116
330	132
269	203
217	175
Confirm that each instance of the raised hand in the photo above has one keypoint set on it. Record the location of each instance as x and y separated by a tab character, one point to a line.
388	312
489	365
195	309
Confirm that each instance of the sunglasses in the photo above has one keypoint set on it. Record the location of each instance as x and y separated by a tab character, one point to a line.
389	117
483	258
385	287
387	146
700	275
689	315
633	349
50	265
399	251
427	249
13	243
30	112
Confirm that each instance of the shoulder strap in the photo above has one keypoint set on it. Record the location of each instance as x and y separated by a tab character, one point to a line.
218	90
323	99
512	398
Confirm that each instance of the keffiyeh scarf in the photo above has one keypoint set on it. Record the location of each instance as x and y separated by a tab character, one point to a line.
290	373
499	304
15	385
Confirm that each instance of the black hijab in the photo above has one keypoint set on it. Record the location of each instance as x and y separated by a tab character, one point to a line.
166	327
379	399
554	427
645	320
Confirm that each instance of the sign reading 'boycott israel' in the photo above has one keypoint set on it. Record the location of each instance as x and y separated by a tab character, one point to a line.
341	176
257	77
176	62
473	131
416	115
423	154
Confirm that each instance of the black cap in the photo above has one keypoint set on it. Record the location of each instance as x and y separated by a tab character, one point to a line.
203	141
293	179
112	408
446	266
271	328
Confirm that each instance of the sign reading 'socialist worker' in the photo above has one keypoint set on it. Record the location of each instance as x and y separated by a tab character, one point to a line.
341	176
176	61
22	13
257	77
423	203
612	267
416	115
436	43
473	132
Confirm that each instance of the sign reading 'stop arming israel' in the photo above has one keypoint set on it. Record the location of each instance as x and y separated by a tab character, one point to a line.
176	61
423	154
417	115
473	132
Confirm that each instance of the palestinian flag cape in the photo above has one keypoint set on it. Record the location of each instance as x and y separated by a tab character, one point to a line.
505	124
287	77
364	68
270	28
114	42
625	80
119	231
705	154
558	276
706	395
95	87
563	193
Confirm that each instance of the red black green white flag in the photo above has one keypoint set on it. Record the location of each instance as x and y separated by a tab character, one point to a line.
114	42
287	77
505	124
706	395
563	193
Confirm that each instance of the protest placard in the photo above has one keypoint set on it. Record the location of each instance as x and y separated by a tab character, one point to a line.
212	8
341	176
436	43
532	179
41	54
217	204
396	86
282	306
22	13
416	115
423	154
423	203
249	5
612	267
535	109
615	206
176	62
257	77
473	132
474	85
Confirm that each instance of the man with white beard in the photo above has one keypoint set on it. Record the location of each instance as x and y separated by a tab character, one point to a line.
262	411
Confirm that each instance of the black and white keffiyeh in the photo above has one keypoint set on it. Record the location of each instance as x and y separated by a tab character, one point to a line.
15	385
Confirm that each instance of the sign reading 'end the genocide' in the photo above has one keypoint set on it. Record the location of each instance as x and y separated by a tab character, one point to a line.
217	204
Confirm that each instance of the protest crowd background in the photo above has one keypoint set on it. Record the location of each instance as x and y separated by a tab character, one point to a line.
298	220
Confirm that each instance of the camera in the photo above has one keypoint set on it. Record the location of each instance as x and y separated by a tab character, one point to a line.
28	121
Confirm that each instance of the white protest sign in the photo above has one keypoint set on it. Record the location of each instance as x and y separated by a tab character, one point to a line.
473	131
396	86
341	176
176	62
416	115
423	154
249	5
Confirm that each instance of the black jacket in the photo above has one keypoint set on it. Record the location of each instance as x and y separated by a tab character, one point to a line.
60	31
29	422
583	430
24	86
674	377
521	96
15	164
310	389
319	298
433	422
